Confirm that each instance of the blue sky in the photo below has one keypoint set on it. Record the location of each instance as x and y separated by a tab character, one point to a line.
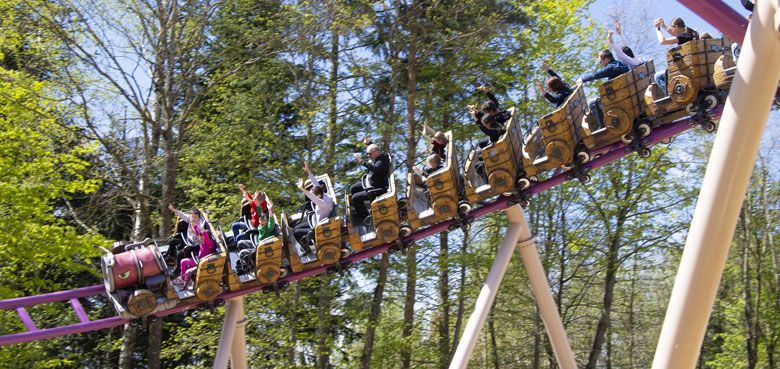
667	9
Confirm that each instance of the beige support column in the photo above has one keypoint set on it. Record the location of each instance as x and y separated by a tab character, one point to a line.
722	192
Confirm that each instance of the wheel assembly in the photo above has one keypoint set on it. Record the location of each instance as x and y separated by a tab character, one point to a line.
645	152
644	129
710	102
464	208
524	183
691	109
583	157
627	138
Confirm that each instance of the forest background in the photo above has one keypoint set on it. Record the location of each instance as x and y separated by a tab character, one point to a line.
110	110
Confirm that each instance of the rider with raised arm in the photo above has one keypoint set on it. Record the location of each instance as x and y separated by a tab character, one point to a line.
559	90
323	205
623	53
680	35
197	234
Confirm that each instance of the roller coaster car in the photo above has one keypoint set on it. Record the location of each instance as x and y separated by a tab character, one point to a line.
327	234
438	199
256	261
501	161
556	141
623	105
208	278
691	84
137	280
382	226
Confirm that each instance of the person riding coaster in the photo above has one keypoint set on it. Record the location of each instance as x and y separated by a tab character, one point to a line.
373	183
316	209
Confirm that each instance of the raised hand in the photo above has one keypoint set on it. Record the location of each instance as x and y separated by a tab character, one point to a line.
540	86
300	185
545	67
483	89
609	36
171	208
617	28
306	166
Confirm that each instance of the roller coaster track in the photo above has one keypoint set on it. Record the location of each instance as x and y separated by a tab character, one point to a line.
608	154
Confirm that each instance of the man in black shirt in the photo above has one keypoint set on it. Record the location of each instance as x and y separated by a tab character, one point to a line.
375	180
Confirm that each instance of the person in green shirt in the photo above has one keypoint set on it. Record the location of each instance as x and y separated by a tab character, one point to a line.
267	225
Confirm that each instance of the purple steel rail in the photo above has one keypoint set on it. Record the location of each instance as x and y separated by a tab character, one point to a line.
720	15
609	153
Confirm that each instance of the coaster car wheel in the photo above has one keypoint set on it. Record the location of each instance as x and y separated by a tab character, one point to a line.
583	157
464	208
708	127
523	183
645	152
627	138
691	109
644	130
405	231
710	102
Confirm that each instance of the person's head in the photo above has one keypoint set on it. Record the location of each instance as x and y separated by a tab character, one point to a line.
433	161
678	26
555	84
318	191
263	219
627	50
195	216
705	35
489	108
605	57
489	120
258	198
440	137
373	151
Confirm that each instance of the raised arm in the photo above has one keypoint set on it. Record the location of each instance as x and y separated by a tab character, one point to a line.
663	40
428	132
184	216
312	177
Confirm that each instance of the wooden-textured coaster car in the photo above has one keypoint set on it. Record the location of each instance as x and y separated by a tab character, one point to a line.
561	133
437	199
725	67
690	83
137	280
622	101
382	226
268	259
327	236
261	264
501	161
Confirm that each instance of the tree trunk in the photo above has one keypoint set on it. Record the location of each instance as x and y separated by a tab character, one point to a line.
293	318
411	254
324	323
461	290
376	311
444	301
609	287
332	97
492	331
129	334
749	314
